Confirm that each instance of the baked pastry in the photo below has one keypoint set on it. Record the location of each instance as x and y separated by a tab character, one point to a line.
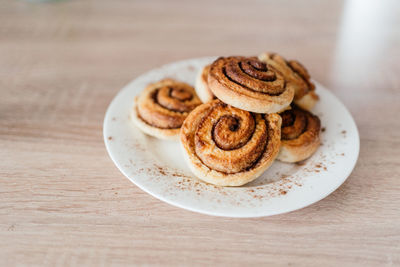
201	86
299	135
163	106
297	76
249	84
227	146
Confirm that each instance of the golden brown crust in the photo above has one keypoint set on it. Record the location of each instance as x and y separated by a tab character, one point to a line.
166	134
249	84
299	135
308	101
296	75
163	106
227	146
201	86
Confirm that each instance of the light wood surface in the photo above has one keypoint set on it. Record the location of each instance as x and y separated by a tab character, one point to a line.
63	202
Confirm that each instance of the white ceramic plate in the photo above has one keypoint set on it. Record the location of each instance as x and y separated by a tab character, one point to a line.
158	168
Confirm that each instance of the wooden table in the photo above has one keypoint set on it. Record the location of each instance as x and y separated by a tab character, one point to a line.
62	200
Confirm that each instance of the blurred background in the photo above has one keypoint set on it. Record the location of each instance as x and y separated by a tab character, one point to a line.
87	50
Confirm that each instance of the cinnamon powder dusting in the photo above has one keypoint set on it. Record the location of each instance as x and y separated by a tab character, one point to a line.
279	188
175	174
160	170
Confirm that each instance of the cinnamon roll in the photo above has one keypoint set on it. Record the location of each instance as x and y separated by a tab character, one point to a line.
202	89
297	76
249	84
227	146
299	135
163	106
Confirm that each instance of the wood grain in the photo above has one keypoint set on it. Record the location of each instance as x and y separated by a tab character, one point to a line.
63	202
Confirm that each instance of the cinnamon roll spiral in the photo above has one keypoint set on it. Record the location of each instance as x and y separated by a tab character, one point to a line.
249	84
163	106
299	135
297	76
202	89
226	146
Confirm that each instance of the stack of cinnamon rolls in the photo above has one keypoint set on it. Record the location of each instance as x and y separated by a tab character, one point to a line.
243	113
